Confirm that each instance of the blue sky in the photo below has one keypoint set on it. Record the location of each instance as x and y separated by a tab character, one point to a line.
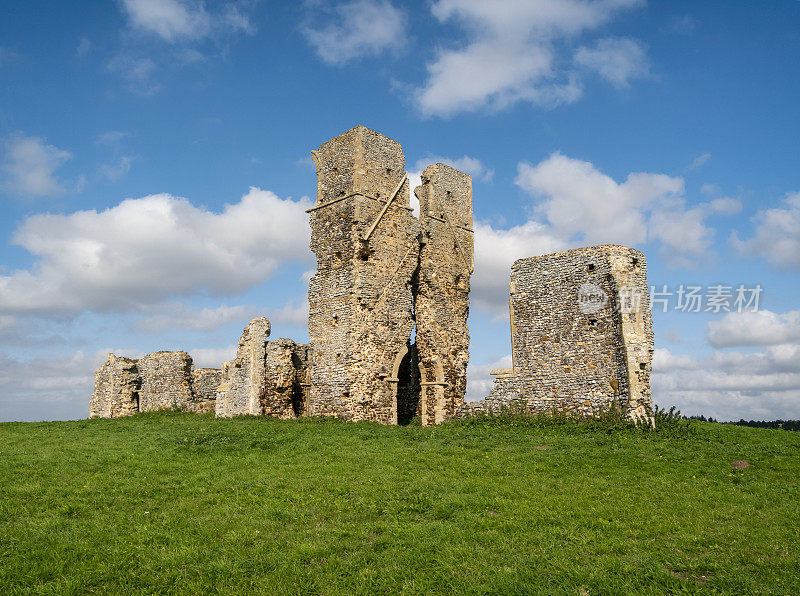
154	171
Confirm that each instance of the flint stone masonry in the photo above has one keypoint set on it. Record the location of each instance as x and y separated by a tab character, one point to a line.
582	335
267	378
116	388
166	381
375	261
388	310
205	382
442	299
157	381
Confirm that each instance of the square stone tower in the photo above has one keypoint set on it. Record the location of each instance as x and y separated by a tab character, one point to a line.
361	299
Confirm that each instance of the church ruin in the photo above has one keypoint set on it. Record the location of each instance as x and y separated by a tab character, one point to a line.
388	309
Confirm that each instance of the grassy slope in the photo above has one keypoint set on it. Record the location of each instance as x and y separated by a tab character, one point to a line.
188	504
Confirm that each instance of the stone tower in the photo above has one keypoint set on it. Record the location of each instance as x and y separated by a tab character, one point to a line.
442	306
381	272
361	301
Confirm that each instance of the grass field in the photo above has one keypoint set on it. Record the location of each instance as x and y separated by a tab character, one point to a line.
184	503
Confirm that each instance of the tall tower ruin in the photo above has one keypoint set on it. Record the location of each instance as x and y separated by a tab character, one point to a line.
381	275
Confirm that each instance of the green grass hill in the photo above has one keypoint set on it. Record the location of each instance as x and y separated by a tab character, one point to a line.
187	504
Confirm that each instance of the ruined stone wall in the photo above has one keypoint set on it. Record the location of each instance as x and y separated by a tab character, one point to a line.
157	381
166	381
366	243
205	382
267	378
442	301
243	378
116	388
582	335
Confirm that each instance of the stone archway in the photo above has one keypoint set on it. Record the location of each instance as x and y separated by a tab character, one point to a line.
406	390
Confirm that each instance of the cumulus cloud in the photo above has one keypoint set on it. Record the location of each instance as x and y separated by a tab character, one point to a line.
580	201
146	250
29	165
495	252
616	60
180	20
358	28
777	235
759	328
510	53
731	385
684	236
52	387
479	381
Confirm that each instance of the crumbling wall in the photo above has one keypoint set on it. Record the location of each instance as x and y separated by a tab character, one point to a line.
116	388
205	382
366	242
442	300
582	335
166	381
266	377
243	378
157	381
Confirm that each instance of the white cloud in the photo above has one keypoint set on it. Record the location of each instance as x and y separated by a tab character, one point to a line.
777	235
212	357
52	387
29	166
146	250
724	206
616	60
583	203
495	252
760	328
114	172
685	239
509	54
181	20
479	381
699	161
469	165
359	28
176	315
732	385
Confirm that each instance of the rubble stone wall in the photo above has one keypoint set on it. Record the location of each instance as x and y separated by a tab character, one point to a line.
166	381
116	388
442	300
157	381
267	378
205	382
582	336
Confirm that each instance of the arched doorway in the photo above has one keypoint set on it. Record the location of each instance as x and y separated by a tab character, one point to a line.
407	382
